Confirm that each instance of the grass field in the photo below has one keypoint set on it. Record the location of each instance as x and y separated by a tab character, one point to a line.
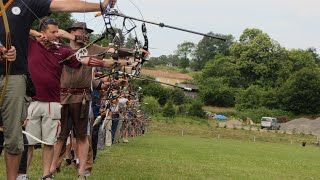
165	153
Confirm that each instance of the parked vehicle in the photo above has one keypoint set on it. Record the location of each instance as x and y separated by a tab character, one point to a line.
270	123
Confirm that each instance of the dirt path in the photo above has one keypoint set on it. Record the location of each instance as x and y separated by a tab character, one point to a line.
166	74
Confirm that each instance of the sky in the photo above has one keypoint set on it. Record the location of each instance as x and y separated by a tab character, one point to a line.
295	24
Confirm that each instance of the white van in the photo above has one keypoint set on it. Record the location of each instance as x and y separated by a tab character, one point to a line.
270	123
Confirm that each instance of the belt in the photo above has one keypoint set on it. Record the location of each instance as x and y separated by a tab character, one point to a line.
75	91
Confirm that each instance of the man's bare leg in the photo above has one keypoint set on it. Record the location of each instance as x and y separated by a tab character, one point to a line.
12	165
30	155
47	156
56	154
83	148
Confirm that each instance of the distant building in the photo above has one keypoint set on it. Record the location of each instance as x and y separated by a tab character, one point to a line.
193	93
169	65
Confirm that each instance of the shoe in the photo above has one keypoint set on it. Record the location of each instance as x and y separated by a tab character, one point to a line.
22	177
81	177
87	173
68	162
125	140
73	166
49	176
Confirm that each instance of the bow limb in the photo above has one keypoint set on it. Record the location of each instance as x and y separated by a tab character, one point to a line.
6	23
35	138
8	46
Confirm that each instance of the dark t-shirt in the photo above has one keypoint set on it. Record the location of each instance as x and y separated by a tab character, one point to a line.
20	20
45	70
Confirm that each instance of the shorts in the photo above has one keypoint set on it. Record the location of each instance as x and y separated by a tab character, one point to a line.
43	121
13	111
74	115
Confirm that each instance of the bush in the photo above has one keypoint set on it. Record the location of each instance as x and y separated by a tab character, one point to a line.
300	93
184	71
215	92
196	110
169	110
256	114
150	105
177	96
255	96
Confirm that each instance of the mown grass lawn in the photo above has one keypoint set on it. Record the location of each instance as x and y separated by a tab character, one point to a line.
158	155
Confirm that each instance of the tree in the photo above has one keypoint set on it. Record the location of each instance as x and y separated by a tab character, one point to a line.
150	105
255	97
177	96
261	60
196	110
169	110
301	92
130	41
215	92
222	67
64	19
314	53
157	91
301	59
249	98
184	52
208	48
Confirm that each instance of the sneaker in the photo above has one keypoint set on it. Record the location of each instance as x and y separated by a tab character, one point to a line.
87	173
22	177
125	140
81	177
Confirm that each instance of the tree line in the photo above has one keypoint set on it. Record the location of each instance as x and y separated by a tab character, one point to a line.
251	73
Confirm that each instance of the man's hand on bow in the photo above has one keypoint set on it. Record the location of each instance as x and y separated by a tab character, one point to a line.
9	55
39	36
144	52
106	2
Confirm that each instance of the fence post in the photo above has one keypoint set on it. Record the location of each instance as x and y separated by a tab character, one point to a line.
182	132
254	138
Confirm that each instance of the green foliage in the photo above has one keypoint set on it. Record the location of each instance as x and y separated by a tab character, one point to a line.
177	96
166	59
130	42
149	65
314	53
182	109
301	93
169	110
215	92
150	105
64	19
156	90
104	42
184	52
255	96
301	59
184	63
208	48
222	67
260	59
257	114
196	109
184	71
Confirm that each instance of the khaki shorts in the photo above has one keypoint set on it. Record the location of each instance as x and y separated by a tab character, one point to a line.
13	111
43	121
